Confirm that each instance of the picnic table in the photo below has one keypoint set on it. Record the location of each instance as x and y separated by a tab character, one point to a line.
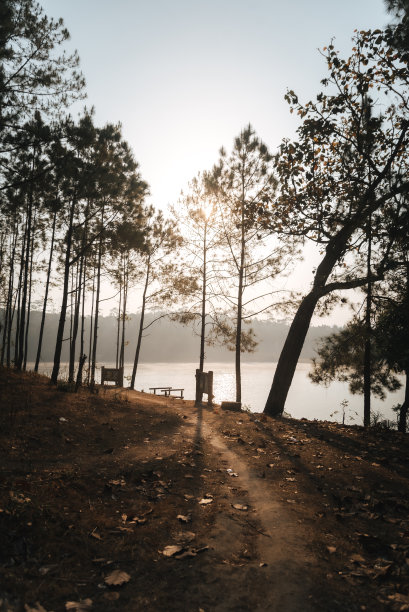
166	391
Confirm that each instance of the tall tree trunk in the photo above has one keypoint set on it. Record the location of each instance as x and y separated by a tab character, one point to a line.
368	332
138	345
63	312
47	286
240	303
18	298
118	327
30	286
199	392
83	356
6	331
124	307
91	328
9	333
95	341
77	302
20	352
203	314
405	406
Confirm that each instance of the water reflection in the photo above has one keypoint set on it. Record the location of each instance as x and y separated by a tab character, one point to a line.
304	400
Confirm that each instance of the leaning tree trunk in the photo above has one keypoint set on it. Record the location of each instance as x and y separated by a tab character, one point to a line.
138	345
290	354
296	335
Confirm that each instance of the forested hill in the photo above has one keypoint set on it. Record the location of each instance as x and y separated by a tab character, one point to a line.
167	341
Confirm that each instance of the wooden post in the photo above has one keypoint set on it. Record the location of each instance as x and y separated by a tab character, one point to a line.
204	384
199	394
210	388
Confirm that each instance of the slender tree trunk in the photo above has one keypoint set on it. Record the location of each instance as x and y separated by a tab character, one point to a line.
94	345
9	333
203	315
76	321
240	302
63	312
118	327
199	392
368	332
47	286
124	307
30	285
18	300
91	329
83	357
138	345
20	352
6	331
405	406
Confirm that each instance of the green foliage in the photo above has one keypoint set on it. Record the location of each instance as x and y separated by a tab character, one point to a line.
341	357
35	74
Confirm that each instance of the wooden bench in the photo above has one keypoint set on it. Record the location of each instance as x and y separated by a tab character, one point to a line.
166	391
180	391
161	389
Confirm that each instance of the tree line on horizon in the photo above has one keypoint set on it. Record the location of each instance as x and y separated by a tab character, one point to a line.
169	341
74	214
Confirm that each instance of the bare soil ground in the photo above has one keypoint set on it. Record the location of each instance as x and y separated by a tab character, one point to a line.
126	501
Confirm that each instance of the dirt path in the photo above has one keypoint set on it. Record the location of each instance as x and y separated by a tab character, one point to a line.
278	555
278	543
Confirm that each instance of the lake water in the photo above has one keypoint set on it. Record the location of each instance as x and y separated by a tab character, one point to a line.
304	400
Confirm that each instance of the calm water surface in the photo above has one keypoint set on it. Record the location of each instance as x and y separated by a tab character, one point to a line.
304	400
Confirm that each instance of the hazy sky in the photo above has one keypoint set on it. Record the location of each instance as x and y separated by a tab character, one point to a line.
185	76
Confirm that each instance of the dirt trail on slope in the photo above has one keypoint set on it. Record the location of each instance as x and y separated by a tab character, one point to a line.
279	544
262	515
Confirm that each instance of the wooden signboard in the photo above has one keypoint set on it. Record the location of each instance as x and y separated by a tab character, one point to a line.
115	375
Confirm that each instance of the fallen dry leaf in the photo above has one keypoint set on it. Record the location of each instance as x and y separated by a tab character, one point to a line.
170	551
205	501
78	606
184	518
117	577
